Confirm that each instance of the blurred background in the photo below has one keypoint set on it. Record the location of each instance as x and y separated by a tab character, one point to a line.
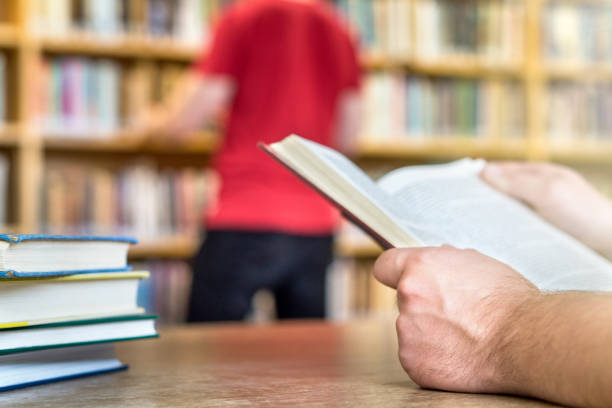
444	79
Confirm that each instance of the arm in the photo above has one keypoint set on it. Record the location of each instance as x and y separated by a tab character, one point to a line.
348	121
196	100
560	196
470	323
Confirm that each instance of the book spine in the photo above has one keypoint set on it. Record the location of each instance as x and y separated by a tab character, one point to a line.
137	200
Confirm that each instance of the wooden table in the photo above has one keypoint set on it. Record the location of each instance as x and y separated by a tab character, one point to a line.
292	364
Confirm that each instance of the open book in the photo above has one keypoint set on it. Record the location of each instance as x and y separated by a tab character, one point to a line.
448	203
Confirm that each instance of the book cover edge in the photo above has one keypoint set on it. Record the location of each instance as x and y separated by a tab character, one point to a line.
17	238
121	367
345	212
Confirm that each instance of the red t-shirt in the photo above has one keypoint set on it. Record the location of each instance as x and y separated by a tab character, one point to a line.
290	60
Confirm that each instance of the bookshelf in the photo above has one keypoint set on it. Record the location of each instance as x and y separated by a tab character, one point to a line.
30	150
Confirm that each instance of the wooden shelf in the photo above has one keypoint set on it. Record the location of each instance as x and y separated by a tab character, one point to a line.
442	147
204	144
9	135
585	151
8	35
122	48
180	247
457	66
579	71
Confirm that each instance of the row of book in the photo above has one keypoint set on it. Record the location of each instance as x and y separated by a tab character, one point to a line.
94	98
184	21
490	29
577	31
137	200
64	301
75	96
408	106
443	28
383	25
578	111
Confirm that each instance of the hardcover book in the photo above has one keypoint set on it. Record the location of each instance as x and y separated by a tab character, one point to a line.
33	301
69	333
44	366
24	256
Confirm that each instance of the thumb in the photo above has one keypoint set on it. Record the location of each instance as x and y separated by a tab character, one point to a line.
390	266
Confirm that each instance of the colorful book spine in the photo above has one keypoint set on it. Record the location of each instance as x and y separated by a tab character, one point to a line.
185	21
491	30
137	200
579	111
577	32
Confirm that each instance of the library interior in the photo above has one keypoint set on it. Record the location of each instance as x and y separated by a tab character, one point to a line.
438	81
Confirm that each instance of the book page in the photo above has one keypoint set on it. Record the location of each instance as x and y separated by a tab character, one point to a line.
357	177
451	204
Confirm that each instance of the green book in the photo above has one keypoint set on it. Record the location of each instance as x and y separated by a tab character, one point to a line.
76	333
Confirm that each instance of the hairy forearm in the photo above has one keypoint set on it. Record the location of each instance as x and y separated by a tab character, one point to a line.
558	347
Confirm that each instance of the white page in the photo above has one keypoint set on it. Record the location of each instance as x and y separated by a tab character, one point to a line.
450	204
357	177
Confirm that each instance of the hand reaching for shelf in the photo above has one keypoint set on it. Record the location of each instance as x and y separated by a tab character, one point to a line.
559	195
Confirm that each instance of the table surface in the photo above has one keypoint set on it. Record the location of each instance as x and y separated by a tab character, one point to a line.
308	364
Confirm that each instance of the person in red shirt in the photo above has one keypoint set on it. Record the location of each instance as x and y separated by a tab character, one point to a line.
278	67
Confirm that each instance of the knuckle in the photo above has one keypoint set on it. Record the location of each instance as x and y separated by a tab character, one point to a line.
405	289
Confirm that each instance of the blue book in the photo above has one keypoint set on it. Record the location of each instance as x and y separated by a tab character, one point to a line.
45	366
36	256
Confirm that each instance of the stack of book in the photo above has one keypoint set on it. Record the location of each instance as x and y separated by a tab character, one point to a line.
63	301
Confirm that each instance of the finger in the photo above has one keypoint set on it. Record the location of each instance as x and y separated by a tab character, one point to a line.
519	180
391	265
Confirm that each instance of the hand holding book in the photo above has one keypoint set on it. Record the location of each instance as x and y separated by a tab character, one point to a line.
560	196
448	204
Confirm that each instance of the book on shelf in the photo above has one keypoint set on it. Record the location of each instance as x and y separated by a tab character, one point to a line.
78	97
577	32
36	255
137	200
402	107
383	26
186	22
447	204
490	30
579	111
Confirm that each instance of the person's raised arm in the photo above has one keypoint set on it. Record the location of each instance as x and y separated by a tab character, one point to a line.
560	196
195	101
472	324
